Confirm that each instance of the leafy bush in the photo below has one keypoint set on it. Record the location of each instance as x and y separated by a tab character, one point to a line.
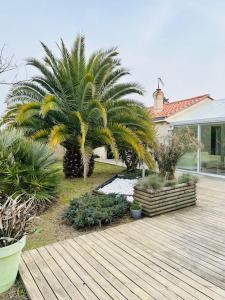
14	218
91	210
26	167
135	205
154	182
187	178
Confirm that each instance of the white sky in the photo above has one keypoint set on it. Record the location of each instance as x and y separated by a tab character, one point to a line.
181	41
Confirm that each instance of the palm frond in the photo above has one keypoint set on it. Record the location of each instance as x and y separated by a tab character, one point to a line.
50	102
40	134
106	137
58	135
27	111
97	105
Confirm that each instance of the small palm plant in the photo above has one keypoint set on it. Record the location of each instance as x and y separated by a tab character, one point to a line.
81	104
27	168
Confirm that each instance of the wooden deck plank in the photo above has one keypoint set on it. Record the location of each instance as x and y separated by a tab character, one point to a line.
137	292
29	283
196	265
166	264
68	269
104	272
198	252
144	290
164	280
179	255
110	282
60	275
101	282
38	277
55	284
159	290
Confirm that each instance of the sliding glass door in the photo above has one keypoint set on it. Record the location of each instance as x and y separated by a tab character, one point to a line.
210	158
213	149
189	160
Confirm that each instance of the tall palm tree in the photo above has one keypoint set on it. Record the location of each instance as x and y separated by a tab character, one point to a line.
81	104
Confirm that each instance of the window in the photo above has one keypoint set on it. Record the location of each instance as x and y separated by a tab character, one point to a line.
189	160
213	149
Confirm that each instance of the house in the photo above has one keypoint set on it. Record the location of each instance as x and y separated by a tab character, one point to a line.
206	118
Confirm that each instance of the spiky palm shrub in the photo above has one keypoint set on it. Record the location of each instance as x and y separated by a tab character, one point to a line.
15	215
26	167
81	104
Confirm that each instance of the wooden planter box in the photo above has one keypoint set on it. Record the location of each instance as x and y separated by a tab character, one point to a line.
165	200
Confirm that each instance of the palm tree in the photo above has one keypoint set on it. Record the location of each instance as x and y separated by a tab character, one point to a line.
81	104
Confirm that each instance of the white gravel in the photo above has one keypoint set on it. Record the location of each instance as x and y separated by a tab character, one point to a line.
120	186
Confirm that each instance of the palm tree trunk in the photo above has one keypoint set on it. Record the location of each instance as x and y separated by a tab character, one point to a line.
73	164
131	161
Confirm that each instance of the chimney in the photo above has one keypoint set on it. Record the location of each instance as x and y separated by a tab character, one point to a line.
158	96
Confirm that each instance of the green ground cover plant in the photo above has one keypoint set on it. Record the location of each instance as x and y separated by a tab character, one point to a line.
95	210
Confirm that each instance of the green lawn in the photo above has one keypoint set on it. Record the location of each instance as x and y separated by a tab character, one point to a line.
48	227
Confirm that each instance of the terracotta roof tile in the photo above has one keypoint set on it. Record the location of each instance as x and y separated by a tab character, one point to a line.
176	106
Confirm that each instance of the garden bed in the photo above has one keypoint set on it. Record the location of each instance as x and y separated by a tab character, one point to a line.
155	202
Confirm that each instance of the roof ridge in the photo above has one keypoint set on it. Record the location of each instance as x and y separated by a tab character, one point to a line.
191	98
187	99
174	107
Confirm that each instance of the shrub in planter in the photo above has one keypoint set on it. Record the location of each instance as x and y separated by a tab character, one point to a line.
95	210
170	183
27	167
15	215
187	178
154	182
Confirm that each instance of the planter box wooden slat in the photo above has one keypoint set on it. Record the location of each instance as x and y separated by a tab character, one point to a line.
165	190
152	214
168	205
163	203
163	197
167	199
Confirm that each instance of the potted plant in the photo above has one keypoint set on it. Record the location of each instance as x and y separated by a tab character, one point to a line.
136	210
15	214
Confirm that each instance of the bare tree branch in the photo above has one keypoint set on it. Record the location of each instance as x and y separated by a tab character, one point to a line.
6	64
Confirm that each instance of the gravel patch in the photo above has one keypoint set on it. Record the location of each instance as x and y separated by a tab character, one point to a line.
120	186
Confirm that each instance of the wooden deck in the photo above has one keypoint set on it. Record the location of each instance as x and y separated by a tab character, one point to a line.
179	255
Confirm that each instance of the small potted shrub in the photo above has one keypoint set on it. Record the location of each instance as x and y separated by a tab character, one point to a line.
136	210
15	214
